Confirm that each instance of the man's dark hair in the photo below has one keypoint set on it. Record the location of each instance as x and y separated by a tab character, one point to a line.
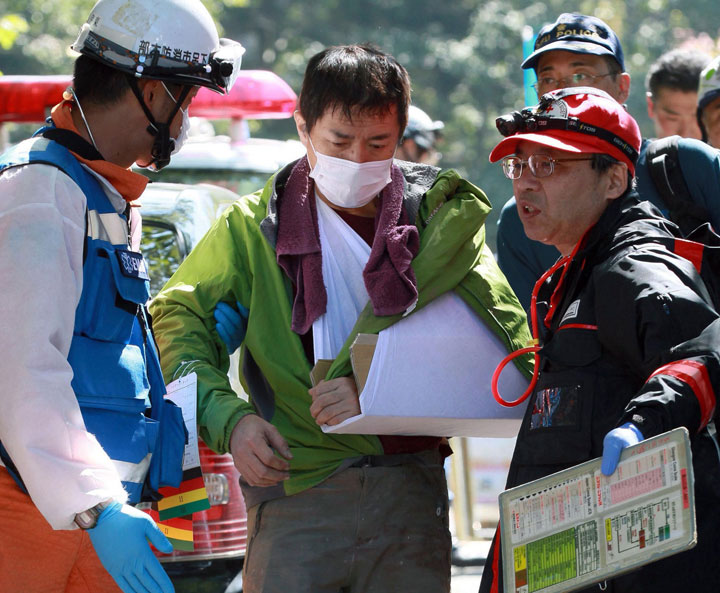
602	162
354	78
613	66
678	69
95	82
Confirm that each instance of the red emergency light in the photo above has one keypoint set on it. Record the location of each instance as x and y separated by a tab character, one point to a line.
256	94
30	98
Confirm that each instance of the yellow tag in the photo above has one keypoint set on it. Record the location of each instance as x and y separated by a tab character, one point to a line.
608	529
520	558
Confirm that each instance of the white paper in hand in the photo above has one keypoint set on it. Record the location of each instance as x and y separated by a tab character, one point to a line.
431	375
183	392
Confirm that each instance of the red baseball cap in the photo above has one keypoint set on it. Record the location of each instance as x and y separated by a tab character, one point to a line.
578	119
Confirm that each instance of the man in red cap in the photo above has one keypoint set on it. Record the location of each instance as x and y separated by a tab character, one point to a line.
582	50
628	334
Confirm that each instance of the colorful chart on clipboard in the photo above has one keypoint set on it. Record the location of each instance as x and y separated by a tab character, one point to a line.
173	512
578	526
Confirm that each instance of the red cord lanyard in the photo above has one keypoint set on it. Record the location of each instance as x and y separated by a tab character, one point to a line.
535	347
555	298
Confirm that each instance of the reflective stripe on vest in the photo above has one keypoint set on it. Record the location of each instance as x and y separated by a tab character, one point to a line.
107	227
133	472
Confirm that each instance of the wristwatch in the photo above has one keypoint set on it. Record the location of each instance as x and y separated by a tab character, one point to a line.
88	519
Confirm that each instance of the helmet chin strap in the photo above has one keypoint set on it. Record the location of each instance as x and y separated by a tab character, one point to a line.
163	145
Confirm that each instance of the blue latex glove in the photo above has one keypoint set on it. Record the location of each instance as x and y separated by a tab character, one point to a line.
231	325
615	441
120	539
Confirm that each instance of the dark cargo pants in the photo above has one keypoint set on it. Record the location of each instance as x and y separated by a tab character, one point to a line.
367	529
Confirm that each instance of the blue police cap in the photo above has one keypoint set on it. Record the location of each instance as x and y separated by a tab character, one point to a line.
579	34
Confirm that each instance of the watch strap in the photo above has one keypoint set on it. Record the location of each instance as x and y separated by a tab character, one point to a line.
88	519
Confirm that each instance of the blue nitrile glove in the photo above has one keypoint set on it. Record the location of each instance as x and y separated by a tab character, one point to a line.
615	441
231	325
120	539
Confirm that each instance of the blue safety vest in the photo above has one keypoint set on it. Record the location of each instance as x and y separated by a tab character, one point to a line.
116	371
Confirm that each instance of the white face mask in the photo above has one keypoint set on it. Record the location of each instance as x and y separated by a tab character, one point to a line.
348	184
183	133
184	126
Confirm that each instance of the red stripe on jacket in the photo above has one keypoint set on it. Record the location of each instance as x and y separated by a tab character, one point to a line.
691	251
696	376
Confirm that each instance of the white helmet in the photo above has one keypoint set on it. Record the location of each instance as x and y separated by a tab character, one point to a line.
708	90
421	128
171	40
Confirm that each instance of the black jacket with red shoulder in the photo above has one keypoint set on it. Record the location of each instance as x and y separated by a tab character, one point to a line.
628	334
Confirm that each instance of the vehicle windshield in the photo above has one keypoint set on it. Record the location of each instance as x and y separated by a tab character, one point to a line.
241	182
164	249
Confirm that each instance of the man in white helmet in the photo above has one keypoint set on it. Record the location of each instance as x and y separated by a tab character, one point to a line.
419	140
84	430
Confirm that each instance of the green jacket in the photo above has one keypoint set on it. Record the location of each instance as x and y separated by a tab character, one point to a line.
236	261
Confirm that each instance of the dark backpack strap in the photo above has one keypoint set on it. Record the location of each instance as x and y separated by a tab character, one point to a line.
74	142
12	470
664	166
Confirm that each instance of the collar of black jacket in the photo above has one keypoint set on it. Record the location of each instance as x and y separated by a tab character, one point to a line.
628	220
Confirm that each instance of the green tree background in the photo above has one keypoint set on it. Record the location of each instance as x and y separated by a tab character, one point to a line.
463	55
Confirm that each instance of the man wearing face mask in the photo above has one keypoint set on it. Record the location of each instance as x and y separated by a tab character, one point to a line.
85	432
342	241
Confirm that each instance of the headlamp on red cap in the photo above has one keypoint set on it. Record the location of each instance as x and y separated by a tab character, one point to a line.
579	120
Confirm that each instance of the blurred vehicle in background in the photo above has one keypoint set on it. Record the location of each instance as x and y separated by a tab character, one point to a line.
28	100
175	217
234	160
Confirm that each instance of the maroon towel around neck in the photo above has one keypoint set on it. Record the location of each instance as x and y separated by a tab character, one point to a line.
388	275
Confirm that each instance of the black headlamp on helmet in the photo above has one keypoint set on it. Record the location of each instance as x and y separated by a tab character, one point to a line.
225	63
517	122
530	119
551	114
578	119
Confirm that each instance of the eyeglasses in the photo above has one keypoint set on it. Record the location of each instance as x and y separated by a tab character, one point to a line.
578	79
541	165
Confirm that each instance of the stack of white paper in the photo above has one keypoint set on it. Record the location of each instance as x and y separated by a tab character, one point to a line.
430	375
